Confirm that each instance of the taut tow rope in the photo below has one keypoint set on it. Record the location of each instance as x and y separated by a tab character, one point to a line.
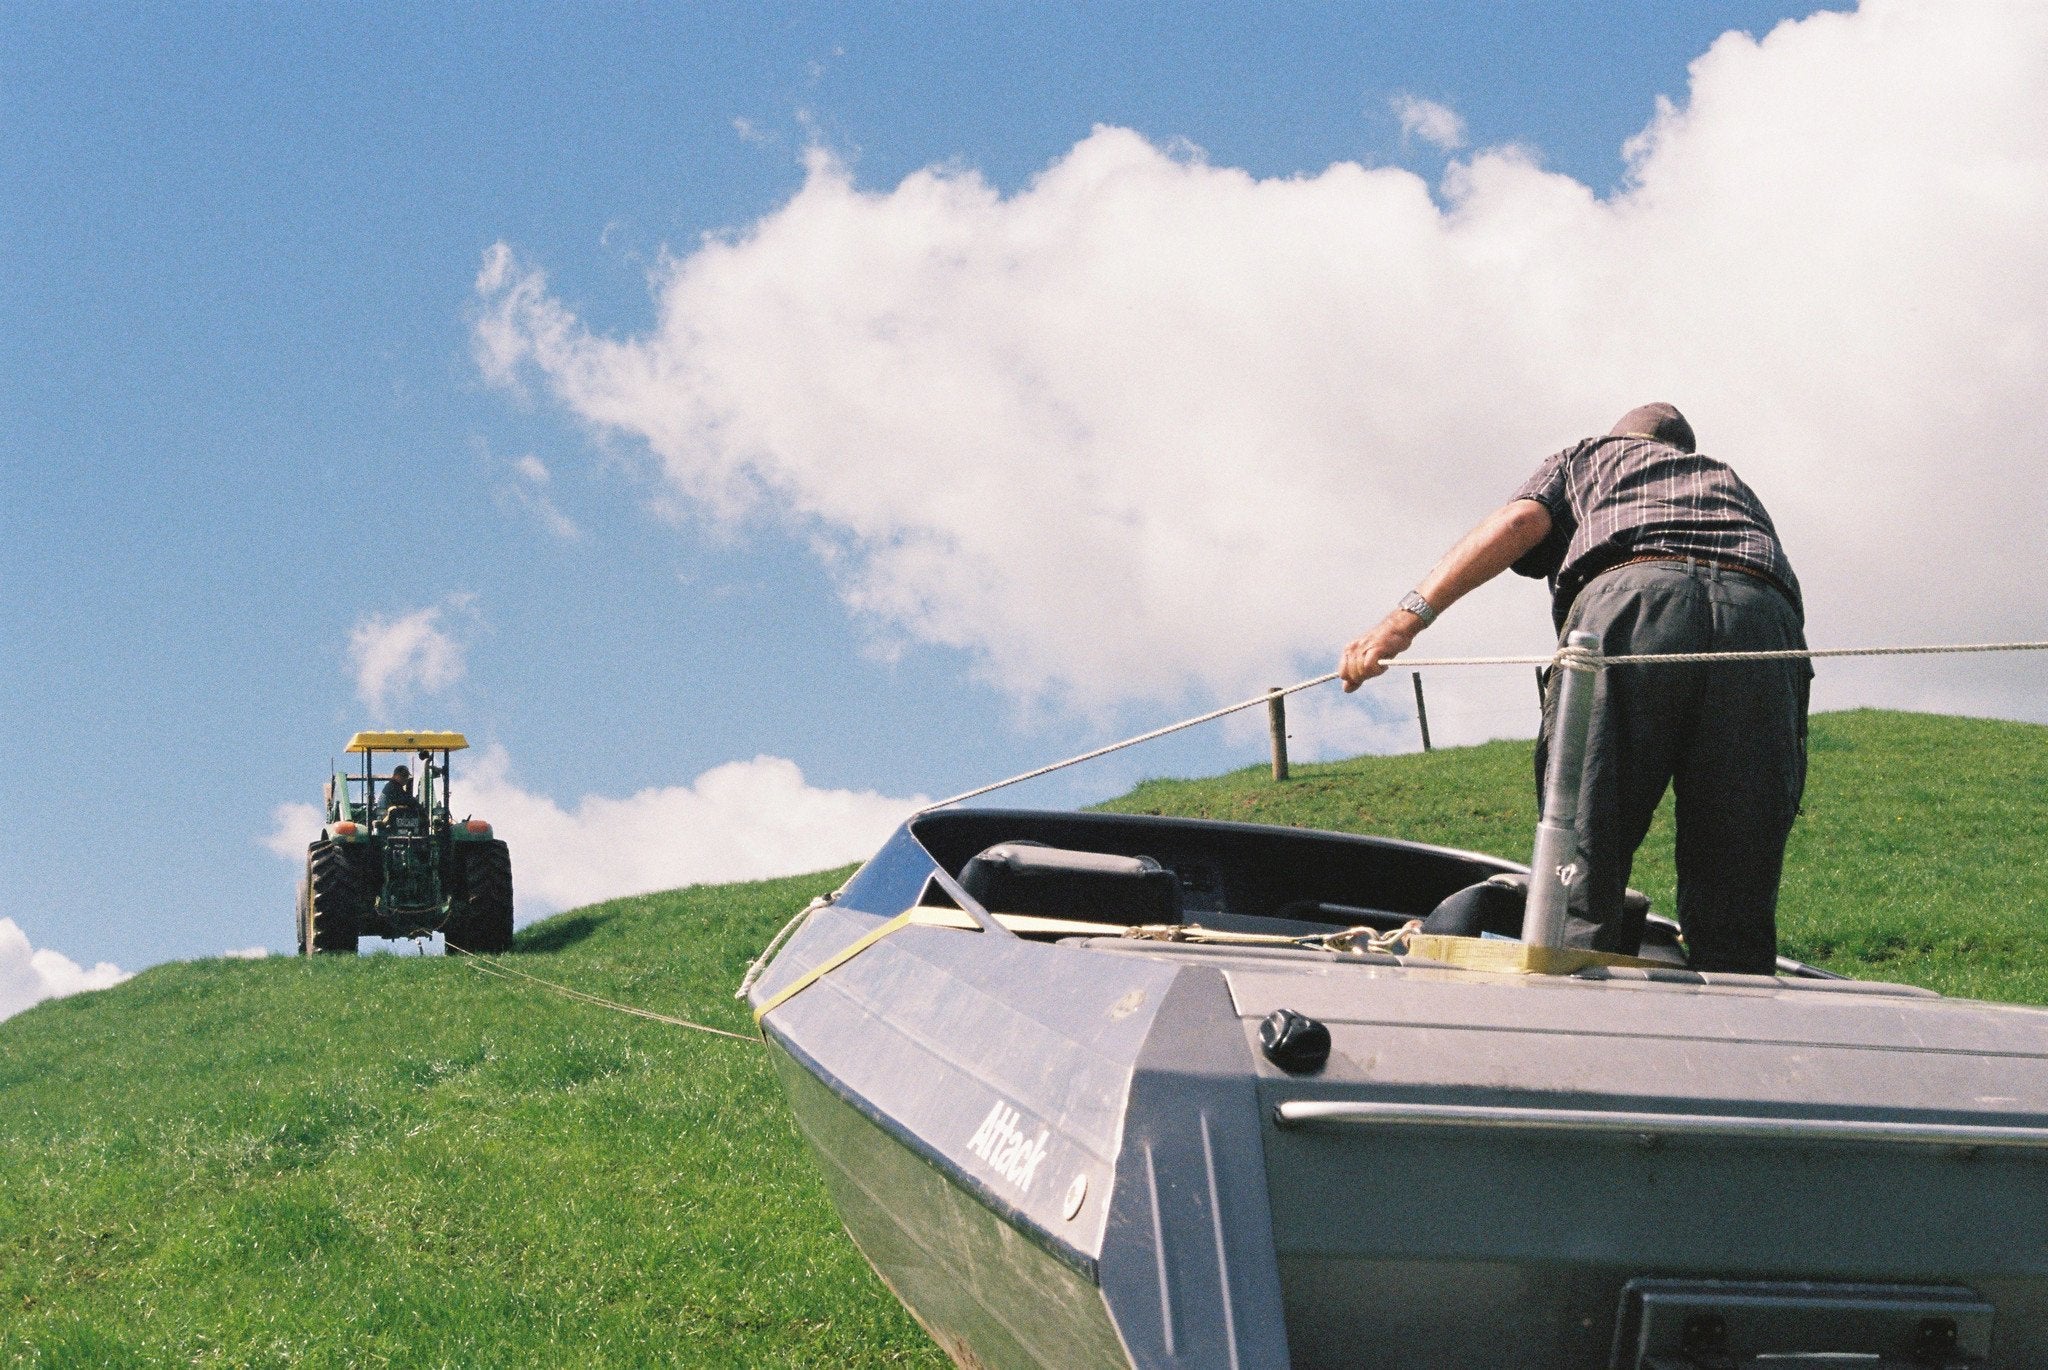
491	965
1196	721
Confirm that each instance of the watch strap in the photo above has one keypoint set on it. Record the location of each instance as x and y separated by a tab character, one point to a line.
1415	604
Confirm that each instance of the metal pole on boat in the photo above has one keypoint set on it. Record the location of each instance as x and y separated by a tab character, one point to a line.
1555	864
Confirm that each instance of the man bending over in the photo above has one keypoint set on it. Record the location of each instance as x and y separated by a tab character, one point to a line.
1652	547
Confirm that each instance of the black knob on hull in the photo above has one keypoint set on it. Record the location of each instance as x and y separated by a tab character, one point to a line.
1295	1042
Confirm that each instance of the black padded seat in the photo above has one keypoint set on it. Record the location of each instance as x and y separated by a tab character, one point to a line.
1495	907
1051	882
1661	941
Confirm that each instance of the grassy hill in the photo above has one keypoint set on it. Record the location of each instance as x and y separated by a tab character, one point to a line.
403	1161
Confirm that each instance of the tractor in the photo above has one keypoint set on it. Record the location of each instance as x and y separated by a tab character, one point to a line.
396	864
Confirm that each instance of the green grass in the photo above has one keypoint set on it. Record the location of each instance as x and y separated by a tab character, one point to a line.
400	1161
397	1160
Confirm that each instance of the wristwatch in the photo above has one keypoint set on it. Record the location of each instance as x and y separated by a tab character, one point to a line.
1415	604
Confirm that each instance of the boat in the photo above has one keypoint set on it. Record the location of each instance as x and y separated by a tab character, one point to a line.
1108	1090
1100	1090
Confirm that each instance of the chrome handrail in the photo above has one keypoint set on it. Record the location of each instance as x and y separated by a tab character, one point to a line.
1374	1113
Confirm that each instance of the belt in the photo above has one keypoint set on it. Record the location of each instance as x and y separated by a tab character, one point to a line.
1752	572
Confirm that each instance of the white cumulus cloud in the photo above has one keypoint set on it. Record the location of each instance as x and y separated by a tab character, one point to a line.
292	829
745	820
1438	125
1151	428
400	657
29	976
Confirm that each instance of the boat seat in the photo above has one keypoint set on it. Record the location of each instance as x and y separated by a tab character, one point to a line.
1660	941
1051	882
1494	907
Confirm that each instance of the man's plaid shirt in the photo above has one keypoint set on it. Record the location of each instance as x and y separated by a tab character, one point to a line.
1613	498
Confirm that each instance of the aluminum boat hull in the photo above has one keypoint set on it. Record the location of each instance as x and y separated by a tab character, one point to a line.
1073	1152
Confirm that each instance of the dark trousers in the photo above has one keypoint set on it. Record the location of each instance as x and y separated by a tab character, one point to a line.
1729	738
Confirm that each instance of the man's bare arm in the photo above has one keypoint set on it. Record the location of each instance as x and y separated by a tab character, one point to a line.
1502	538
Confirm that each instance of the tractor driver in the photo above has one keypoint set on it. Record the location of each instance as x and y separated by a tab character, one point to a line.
397	791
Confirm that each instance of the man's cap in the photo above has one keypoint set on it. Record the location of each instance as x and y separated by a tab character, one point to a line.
1658	422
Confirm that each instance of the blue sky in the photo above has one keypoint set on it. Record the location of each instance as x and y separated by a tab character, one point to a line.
243	415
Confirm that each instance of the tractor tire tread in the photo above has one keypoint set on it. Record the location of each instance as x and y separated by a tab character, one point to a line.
483	922
340	887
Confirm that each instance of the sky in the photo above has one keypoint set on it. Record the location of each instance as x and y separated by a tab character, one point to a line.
748	422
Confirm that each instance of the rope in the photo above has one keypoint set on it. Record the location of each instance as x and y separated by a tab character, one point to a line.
1196	721
504	972
1574	658
760	963
1350	941
1390	942
1595	660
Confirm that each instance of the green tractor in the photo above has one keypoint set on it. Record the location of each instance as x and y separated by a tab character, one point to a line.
396	865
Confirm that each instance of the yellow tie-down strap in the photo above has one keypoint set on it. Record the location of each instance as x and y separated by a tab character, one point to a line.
934	918
832	962
1517	958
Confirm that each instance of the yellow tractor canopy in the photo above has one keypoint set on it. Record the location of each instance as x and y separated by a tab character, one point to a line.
408	742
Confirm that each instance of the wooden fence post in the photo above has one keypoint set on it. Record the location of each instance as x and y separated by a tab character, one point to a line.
1276	724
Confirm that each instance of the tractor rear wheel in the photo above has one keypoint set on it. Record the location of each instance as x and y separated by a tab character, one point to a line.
337	890
482	923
